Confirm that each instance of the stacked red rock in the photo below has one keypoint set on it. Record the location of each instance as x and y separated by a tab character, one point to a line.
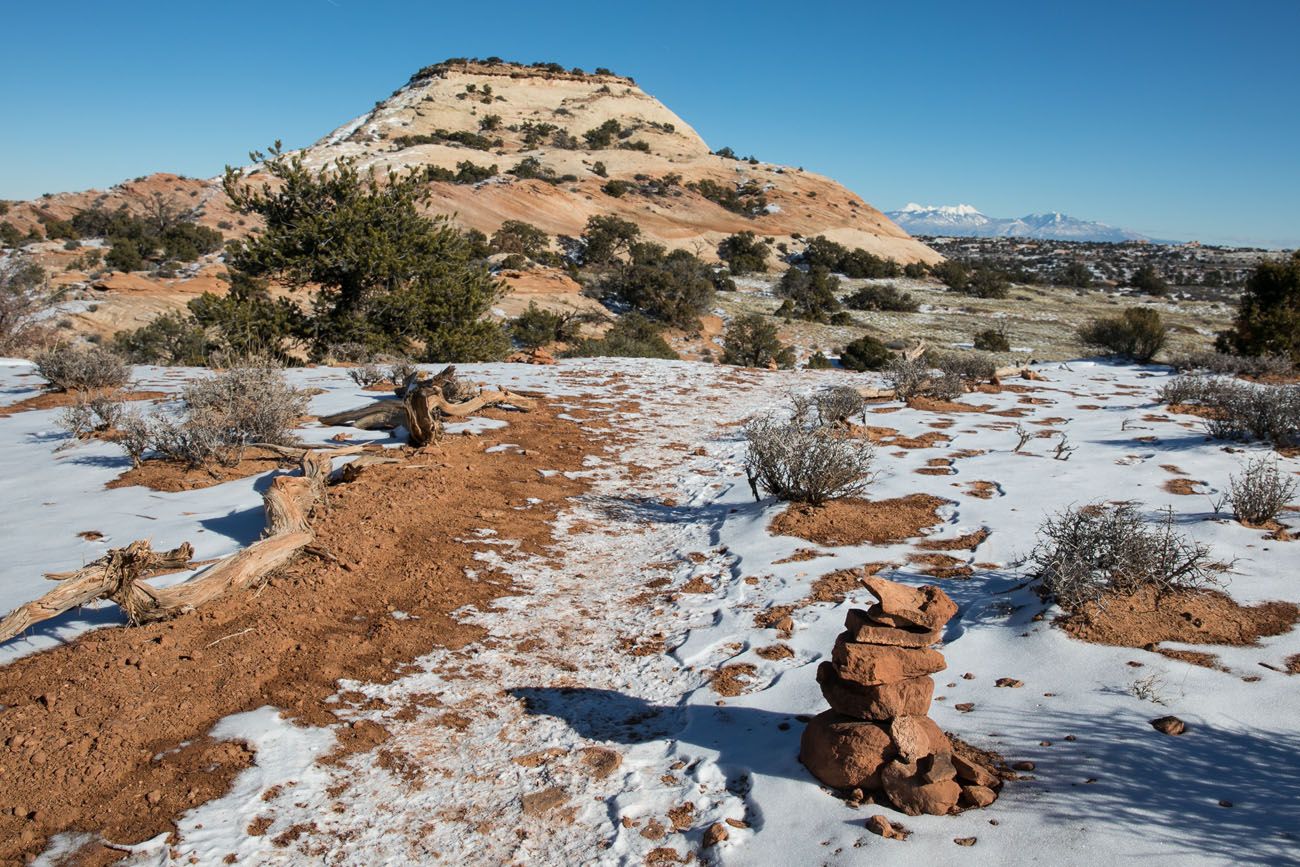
877	737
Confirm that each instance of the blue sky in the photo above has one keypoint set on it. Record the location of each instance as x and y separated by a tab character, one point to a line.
1177	119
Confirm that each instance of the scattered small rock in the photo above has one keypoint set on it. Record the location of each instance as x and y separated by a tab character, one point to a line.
1023	766
965	841
965	706
1170	725
716	833
1009	683
881	826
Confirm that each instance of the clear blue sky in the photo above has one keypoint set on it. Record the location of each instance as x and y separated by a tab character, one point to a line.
1177	119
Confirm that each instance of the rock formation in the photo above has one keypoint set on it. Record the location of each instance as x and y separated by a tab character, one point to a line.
877	737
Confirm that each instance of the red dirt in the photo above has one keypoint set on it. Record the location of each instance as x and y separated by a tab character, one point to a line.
941	566
928	404
60	399
173	476
855	522
888	436
834	586
78	757
1145	619
968	542
1183	487
981	489
732	680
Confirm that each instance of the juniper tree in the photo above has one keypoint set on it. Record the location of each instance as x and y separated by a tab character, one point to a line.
389	276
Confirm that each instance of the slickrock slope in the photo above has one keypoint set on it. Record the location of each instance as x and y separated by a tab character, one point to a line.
443	118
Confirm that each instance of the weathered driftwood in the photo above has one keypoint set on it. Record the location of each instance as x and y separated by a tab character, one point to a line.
119	574
422	403
1024	372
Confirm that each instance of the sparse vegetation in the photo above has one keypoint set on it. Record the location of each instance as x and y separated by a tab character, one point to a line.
1261	492
80	368
857	263
1268	314
752	341
865	353
743	253
395	280
993	340
747	198
674	286
632	336
1085	553
221	416
804	461
886	297
838	403
24	295
1138	333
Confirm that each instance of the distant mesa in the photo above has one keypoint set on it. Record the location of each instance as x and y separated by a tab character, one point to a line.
967	221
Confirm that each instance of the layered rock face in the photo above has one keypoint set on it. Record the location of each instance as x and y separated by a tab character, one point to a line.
877	736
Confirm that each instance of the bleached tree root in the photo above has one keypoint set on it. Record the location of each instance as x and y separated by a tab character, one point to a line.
119	575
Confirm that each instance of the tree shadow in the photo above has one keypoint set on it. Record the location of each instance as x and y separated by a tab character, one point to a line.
1230	793
747	740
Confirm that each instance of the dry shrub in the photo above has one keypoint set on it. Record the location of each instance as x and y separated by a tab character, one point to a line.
805	462
221	416
838	403
966	366
906	376
96	413
1233	365
81	368
1085	553
1239	410
1260	493
1138	333
24	296
367	374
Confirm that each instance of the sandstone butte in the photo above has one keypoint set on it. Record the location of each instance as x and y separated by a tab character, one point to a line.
456	98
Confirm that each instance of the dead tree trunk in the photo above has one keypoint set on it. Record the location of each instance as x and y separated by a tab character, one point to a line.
119	574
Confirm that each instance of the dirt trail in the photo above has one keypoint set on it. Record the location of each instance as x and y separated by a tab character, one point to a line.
89	732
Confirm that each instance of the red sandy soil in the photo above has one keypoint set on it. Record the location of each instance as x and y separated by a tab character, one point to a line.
968	542
172	476
60	399
984	490
1183	486
82	722
1192	617
929	404
941	565
855	522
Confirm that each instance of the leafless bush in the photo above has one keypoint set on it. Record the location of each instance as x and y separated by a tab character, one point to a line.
1233	365
70	367
1188	389
946	386
969	367
805	463
401	369
220	417
838	403
96	413
367	374
1260	493
24	296
1239	410
135	436
906	376
348	353
1084	553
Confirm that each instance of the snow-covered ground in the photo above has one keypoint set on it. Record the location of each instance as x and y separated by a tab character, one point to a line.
514	779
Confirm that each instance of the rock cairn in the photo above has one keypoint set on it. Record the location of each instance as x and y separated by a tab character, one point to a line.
876	737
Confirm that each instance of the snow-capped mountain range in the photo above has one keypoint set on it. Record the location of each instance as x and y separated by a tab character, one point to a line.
967	220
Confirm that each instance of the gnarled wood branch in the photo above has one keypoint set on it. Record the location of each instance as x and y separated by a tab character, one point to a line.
119	574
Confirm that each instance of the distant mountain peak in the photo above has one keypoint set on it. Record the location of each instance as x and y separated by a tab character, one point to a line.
968	221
